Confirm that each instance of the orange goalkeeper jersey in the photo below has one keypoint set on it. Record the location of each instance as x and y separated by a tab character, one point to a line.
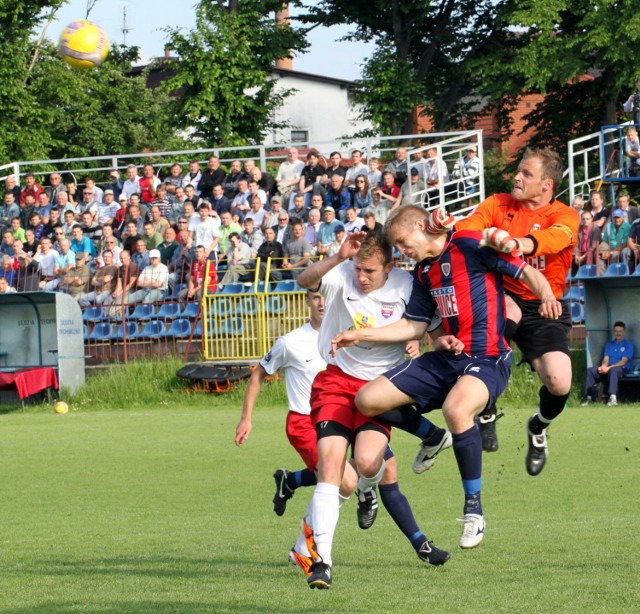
553	227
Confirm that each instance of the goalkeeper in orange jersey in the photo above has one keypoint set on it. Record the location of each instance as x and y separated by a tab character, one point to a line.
529	221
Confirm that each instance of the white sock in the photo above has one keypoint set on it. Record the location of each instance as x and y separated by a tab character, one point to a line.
342	500
325	510
301	543
365	484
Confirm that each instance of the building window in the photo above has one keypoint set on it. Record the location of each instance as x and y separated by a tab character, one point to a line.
299	136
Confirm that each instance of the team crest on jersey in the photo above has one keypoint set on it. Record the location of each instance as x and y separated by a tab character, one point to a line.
446	300
446	268
268	357
386	310
362	320
535	227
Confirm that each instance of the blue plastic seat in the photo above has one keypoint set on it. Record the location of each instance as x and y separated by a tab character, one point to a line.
93	314
169	311
190	311
232	289
85	332
102	331
173	295
128	330
575	293
179	328
221	307
286	286
248	306
586	271
617	269
231	326
276	305
143	312
577	312
198	330
154	329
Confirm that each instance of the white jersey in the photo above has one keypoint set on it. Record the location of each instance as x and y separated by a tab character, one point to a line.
348	308
297	353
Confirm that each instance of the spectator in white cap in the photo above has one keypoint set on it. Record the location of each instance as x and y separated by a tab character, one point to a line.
108	208
152	282
326	232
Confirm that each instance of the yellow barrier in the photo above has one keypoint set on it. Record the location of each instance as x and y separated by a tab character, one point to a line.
243	325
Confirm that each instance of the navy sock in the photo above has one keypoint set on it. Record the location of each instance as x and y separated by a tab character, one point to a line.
467	448
399	509
304	477
407	418
551	407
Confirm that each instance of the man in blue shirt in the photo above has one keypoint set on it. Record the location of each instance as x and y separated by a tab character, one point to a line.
615	363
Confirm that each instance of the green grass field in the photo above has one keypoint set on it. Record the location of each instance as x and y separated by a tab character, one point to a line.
153	509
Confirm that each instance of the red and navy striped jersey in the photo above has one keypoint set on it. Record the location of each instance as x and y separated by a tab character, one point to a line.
464	283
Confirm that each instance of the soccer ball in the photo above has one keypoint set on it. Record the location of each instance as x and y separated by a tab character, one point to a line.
83	44
61	407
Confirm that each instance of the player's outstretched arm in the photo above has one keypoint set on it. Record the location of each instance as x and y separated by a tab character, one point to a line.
310	278
550	307
243	430
402	330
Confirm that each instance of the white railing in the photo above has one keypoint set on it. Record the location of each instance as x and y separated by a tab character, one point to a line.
267	157
596	158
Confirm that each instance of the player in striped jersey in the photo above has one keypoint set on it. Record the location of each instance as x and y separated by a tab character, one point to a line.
471	366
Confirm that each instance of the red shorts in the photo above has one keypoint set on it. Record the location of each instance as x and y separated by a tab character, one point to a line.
302	436
333	397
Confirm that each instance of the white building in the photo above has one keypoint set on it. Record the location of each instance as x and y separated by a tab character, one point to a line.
319	110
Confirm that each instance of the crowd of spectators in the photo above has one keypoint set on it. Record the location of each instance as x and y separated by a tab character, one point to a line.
607	235
140	235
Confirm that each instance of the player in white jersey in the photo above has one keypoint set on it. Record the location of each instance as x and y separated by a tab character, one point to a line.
364	292
298	354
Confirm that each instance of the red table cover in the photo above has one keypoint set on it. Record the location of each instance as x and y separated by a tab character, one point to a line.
29	381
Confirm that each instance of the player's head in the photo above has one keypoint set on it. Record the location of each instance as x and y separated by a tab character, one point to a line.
407	230
539	176
315	302
373	263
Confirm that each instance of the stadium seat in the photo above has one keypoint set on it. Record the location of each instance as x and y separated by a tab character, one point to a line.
93	314
231	326
154	329
617	269
232	289
286	286
190	311
173	295
102	331
169	311
129	329
586	271
179	328
276	305
248	306
575	293
577	312
198	331
85	332
143	312
221	307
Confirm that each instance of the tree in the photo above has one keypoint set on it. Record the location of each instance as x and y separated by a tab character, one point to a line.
581	55
420	61
51	110
225	93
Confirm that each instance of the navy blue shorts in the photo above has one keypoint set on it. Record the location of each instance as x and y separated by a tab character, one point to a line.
429	378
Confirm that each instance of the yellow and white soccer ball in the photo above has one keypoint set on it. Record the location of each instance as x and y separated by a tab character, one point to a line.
83	44
61	407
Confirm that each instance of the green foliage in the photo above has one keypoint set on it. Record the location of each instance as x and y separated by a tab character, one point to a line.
223	71
421	56
53	111
550	46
